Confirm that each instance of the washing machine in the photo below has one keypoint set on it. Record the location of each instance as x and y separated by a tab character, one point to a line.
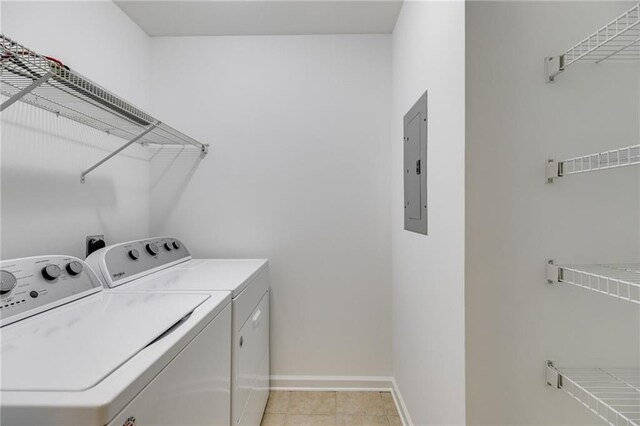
72	353
119	266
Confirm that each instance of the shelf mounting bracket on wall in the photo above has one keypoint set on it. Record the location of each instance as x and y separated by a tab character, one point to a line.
43	79
553	65
204	151
553	272
553	170
117	151
552	377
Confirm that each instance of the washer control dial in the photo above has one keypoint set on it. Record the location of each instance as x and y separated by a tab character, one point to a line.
7	282
134	254
152	249
51	272
176	245
74	268
167	247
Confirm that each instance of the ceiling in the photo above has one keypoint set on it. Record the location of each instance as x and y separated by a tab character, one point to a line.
262	17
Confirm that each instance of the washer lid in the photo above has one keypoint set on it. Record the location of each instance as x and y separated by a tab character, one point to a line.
203	274
74	347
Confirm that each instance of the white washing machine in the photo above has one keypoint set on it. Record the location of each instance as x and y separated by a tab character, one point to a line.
247	280
75	354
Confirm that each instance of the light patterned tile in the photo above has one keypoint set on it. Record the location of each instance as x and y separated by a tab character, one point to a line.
312	403
389	404
278	402
394	421
273	419
362	403
351	420
310	420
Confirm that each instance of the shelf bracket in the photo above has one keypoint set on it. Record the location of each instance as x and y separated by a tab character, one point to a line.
15	98
117	151
553	272
553	66
204	150
552	376
554	170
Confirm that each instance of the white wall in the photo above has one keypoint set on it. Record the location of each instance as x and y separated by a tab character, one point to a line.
428	271
44	208
515	222
298	173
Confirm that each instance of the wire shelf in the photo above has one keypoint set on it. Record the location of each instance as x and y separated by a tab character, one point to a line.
621	157
621	281
46	83
613	394
617	40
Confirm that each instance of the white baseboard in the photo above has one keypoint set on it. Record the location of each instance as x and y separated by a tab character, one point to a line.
332	383
400	405
344	383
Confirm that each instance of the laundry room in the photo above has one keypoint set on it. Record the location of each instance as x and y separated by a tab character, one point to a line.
319	212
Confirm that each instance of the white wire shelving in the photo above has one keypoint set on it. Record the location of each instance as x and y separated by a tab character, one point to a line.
617	40
613	394
620	157
46	83
621	281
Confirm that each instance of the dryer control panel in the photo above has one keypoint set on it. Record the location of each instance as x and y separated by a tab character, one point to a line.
35	284
121	263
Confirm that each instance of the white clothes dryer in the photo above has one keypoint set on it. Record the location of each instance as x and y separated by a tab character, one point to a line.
119	267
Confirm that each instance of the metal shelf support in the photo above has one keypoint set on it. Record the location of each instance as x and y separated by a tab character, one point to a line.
552	376
43	79
553	272
553	170
553	66
117	151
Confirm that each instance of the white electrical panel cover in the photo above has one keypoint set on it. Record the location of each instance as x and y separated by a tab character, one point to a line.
415	167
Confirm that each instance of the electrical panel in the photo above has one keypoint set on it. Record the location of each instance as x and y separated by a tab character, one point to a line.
415	167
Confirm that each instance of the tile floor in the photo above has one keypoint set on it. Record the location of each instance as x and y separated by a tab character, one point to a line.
330	408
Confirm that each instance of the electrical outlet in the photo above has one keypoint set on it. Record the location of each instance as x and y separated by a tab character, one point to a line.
94	243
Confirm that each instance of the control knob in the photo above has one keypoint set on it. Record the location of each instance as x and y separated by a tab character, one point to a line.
168	247
7	282
134	254
74	268
51	272
152	249
176	245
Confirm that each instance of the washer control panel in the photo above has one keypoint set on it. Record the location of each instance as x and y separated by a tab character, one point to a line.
34	284
121	263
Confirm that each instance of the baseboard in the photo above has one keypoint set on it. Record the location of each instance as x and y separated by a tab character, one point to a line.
400	405
344	383
332	383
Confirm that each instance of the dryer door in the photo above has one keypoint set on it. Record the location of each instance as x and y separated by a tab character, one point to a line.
251	354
